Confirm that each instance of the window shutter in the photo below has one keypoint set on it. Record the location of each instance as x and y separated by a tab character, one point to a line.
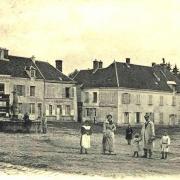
23	90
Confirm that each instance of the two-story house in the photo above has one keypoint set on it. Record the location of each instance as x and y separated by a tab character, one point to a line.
128	91
40	87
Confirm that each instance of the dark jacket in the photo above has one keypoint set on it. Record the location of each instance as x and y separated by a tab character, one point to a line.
129	133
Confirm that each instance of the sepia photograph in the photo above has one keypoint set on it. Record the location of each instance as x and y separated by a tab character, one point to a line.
90	89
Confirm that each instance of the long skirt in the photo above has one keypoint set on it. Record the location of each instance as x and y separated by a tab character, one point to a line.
108	142
85	141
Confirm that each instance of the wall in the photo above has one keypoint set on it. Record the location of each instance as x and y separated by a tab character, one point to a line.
55	96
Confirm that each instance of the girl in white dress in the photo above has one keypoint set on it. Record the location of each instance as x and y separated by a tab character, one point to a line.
86	132
165	142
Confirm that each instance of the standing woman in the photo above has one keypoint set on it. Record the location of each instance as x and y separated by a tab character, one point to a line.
108	135
129	133
85	141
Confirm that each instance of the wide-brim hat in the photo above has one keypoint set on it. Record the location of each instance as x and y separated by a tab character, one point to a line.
109	115
146	115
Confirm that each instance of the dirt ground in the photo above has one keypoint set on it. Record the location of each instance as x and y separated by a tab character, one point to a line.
59	150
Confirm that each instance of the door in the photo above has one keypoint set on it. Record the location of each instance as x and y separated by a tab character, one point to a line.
126	117
79	111
59	112
39	110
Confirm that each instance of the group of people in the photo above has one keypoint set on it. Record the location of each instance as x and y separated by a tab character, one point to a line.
147	137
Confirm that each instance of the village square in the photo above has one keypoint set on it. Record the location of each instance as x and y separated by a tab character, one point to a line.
90	89
123	116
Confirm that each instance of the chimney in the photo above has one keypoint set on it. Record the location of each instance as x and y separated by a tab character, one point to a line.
128	60
59	65
153	64
4	53
100	64
95	64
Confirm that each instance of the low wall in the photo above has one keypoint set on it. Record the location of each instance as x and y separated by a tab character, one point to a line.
20	126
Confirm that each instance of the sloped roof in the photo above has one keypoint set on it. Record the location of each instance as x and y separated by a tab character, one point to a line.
128	76
51	73
105	77
16	66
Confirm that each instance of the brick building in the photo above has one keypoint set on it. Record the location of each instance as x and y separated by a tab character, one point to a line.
41	88
128	91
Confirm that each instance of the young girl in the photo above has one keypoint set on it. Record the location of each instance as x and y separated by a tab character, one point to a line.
86	132
136	145
165	142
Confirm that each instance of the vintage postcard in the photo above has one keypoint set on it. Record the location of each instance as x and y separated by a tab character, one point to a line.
89	89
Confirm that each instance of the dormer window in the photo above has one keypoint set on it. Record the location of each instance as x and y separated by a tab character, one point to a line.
33	73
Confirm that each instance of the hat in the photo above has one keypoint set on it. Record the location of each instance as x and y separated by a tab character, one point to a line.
86	122
147	115
136	135
109	115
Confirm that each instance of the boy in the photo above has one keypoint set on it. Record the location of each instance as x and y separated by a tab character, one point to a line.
165	142
85	141
136	145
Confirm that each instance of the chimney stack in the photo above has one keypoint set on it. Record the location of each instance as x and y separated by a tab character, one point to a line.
59	65
153	64
95	64
100	64
4	53
128	60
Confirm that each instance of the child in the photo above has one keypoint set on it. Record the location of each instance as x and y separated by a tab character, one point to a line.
136	145
85	141
165	142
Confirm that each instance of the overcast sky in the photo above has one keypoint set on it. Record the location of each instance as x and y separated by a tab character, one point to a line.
78	31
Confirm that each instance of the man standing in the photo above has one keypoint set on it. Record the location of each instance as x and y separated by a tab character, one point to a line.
148	136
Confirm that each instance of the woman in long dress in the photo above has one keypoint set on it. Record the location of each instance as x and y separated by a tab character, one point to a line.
108	135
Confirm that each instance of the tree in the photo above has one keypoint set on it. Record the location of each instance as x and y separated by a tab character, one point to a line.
175	70
73	74
168	65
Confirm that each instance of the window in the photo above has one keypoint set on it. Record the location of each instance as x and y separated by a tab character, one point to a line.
39	110
138	99
50	109
90	112
126	117
173	101
138	117
161	103
125	98
86	98
32	90
32	73
59	109
1	88
150	101
67	91
32	108
20	90
94	97
68	110
20	108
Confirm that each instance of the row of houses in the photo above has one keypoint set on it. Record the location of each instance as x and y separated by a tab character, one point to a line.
40	87
125	90
128	91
